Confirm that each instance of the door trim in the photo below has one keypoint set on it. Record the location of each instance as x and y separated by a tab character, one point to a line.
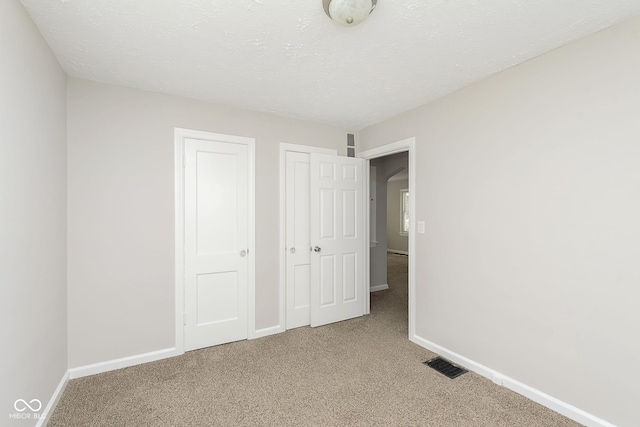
282	288
408	145
179	158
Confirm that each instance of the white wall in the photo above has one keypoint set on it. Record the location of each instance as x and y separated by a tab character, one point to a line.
121	212
395	240
529	183
386	167
32	214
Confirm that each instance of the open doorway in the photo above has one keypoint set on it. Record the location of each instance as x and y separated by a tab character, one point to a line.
384	224
389	230
394	302
385	162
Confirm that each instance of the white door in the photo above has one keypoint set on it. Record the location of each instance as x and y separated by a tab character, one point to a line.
337	238
298	299
216	214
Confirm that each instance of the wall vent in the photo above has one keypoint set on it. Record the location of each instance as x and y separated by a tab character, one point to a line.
351	145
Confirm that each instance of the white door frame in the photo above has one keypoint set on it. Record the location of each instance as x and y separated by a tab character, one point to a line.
284	148
409	145
179	136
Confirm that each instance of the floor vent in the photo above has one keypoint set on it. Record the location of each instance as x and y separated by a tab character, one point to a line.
445	367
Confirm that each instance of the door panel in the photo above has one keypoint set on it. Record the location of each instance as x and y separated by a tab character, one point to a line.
327	280
349	276
349	225
328	222
217	202
297	240
302	288
216	231
217	297
337	237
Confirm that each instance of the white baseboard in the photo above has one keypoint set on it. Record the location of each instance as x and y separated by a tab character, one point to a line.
538	396
377	288
53	402
393	251
264	332
125	362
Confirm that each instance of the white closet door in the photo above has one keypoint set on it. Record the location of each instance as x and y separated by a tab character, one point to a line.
298	268
216	242
337	238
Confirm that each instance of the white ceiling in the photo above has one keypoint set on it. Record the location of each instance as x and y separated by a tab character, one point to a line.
288	58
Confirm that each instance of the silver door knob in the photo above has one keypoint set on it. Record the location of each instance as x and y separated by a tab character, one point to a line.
292	250
243	252
317	248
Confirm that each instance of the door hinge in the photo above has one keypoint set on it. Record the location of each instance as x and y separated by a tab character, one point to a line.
184	318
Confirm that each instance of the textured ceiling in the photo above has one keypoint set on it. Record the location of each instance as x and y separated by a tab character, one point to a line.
288	58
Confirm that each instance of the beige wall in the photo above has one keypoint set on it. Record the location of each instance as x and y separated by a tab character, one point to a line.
395	240
32	214
529	183
121	212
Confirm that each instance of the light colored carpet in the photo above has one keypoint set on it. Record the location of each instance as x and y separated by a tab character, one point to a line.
361	372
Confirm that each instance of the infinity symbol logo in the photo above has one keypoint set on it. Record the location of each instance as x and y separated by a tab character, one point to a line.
21	405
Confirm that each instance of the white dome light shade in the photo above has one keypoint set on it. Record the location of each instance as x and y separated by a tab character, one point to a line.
349	12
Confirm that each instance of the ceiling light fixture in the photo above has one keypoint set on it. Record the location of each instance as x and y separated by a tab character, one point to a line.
348	12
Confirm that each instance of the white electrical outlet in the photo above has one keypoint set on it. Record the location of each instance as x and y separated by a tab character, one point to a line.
421	226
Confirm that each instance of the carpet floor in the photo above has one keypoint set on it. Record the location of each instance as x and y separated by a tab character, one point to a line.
361	372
